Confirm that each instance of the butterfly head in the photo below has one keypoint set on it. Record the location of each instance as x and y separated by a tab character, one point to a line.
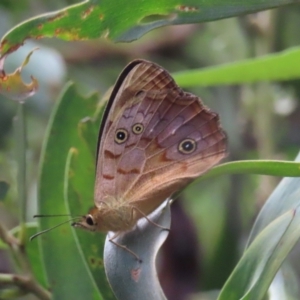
90	221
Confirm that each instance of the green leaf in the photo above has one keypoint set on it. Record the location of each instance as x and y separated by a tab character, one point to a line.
255	271
4	186
262	167
79	195
279	66
274	234
121	21
63	262
285	197
285	283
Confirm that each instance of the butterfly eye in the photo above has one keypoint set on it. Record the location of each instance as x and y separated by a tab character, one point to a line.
138	128
89	220
121	136
187	146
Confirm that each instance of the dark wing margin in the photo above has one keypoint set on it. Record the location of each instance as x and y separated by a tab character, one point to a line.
109	104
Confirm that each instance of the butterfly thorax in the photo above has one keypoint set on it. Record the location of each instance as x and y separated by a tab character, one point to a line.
117	217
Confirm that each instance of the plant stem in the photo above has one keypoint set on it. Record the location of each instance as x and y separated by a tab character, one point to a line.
263	117
26	284
21	139
25	281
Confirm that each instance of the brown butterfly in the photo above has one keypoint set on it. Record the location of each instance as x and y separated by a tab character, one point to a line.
154	139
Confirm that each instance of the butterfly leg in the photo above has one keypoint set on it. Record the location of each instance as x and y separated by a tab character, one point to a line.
124	247
150	221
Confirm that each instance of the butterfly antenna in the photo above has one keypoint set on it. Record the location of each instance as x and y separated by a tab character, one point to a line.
45	216
49	229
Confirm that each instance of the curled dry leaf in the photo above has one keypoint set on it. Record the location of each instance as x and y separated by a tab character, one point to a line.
12	85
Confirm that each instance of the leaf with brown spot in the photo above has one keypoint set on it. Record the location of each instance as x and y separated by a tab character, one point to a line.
124	21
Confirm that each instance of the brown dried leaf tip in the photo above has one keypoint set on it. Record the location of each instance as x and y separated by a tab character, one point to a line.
12	85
